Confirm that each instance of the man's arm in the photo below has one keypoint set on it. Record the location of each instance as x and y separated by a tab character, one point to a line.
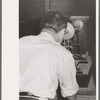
68	82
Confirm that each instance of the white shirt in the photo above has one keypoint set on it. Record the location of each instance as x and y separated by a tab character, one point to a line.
43	62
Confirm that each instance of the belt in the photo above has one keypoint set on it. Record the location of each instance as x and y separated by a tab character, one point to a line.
27	94
30	95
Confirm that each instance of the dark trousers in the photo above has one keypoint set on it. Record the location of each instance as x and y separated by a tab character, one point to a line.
27	98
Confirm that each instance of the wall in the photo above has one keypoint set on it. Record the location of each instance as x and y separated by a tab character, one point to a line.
30	12
31	9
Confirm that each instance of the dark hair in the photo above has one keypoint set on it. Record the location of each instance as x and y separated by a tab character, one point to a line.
53	20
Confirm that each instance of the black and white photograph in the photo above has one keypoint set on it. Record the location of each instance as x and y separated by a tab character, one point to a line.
57	49
50	50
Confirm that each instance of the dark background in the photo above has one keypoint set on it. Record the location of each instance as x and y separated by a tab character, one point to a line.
30	12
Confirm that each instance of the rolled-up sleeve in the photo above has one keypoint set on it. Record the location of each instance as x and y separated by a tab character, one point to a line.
67	76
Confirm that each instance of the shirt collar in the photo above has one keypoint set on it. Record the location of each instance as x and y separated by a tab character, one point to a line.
46	35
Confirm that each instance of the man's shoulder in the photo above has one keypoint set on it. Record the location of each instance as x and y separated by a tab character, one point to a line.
25	38
59	48
65	51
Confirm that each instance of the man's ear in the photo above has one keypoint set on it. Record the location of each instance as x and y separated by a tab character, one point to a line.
62	32
69	31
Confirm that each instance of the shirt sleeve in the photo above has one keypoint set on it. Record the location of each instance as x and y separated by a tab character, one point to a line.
67	76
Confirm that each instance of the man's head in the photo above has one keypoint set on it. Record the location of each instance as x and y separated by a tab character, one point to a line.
55	21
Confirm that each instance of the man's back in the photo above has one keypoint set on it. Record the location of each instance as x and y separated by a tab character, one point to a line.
39	59
44	62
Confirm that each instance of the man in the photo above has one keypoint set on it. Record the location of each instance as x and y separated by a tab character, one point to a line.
44	62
